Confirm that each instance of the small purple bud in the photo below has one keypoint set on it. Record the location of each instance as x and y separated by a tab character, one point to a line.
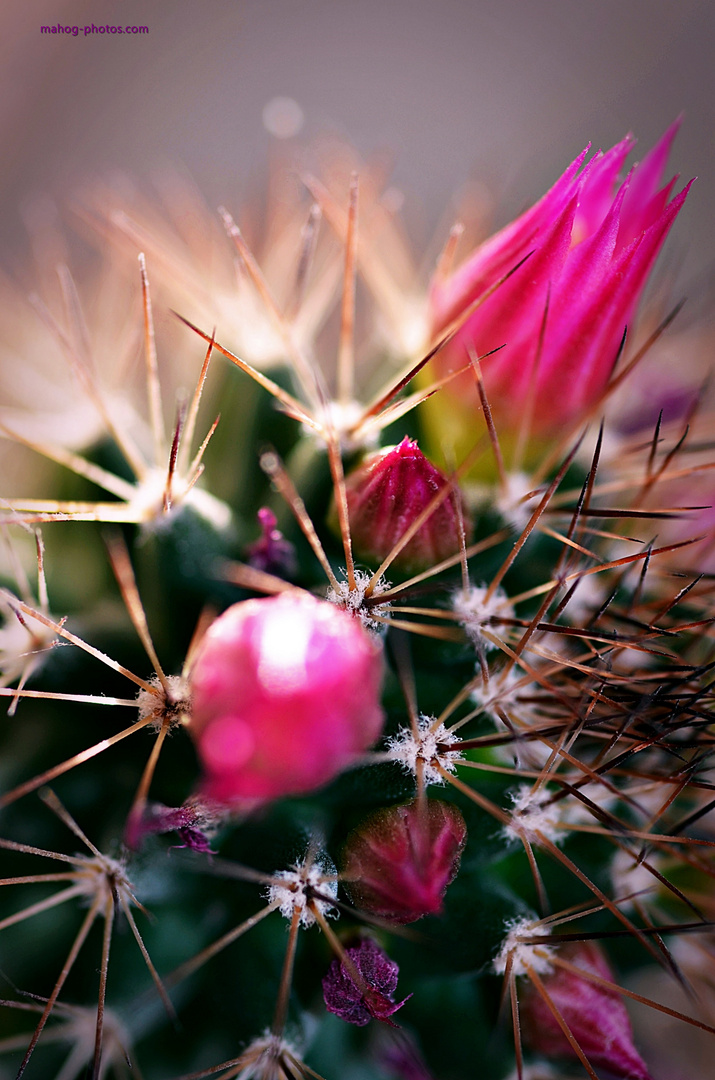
189	821
358	1004
271	552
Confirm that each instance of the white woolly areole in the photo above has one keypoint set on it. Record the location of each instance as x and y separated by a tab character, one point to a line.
266	1056
693	956
344	419
80	1028
353	600
162	705
407	750
629	877
513	503
500	695
101	878
532	820
576	812
295	888
589	594
535	1072
147	503
499	691
523	955
475	611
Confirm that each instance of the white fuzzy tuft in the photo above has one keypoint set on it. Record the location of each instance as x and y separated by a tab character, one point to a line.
160	705
474	612
353	600
269	1057
408	750
517	503
532	820
523	955
292	889
631	878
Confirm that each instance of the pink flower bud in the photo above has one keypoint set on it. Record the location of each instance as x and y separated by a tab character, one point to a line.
286	694
372	997
387	493
589	246
595	1015
399	862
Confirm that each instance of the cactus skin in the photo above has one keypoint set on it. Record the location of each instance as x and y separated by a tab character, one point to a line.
546	737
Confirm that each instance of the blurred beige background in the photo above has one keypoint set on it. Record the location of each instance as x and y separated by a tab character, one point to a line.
505	91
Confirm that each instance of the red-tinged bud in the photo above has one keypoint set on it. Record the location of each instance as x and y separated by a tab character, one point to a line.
399	862
286	694
595	1014
363	989
386	493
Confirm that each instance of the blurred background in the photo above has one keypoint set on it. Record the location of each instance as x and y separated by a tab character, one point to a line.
501	93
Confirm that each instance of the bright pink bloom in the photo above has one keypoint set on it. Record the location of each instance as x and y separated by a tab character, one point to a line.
591	246
386	493
398	863
596	1016
285	695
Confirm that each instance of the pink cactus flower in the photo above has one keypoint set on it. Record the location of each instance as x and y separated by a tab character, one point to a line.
591	245
398	863
286	694
596	1016
386	493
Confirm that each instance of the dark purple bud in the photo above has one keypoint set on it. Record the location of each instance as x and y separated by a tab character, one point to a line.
271	552
190	821
367	992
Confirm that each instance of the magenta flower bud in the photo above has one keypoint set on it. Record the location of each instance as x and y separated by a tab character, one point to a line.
399	862
286	694
372	998
192	822
591	245
386	493
595	1015
271	552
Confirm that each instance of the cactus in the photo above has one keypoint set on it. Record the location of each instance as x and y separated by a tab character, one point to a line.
426	805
